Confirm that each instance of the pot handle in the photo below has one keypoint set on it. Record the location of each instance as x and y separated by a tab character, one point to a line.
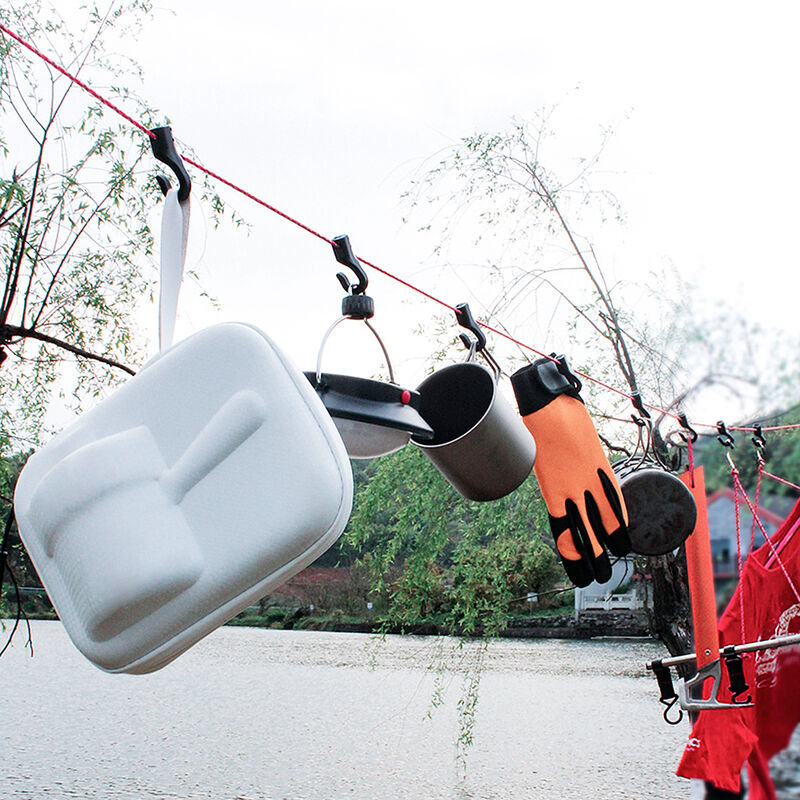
375	333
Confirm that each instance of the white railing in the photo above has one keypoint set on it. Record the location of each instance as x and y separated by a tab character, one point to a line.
610	602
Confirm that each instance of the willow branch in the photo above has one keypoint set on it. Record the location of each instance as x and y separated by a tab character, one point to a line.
8	331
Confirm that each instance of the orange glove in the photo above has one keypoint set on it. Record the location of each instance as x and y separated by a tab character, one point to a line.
584	501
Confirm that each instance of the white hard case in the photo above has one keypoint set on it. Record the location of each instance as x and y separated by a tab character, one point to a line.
209	478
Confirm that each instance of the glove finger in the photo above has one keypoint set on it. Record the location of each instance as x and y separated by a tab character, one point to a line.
574	548
617	541
597	537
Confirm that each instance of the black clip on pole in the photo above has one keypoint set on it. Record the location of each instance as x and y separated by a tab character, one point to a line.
738	684
668	695
164	150
356	305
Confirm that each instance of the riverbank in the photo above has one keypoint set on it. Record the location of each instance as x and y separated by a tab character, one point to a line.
587	625
556	623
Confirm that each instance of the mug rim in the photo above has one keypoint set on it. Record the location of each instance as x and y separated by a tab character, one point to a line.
449	368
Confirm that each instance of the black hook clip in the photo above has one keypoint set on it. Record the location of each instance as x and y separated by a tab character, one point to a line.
668	695
687	427
738	685
163	146
636	399
343	251
466	320
759	442
355	305
724	437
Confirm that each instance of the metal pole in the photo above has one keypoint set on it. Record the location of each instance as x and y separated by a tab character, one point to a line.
749	647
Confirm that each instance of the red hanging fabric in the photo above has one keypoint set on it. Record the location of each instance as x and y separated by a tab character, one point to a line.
700	573
722	740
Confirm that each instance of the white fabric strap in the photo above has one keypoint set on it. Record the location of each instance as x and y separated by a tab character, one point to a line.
174	235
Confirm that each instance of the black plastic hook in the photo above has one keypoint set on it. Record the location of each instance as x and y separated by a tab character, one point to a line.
466	320
636	399
343	251
687	427
738	685
759	442
724	437
668	695
164	150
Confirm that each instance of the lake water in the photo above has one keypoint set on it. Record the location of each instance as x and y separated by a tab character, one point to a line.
252	714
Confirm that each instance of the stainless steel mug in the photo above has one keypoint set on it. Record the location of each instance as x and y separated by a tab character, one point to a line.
480	444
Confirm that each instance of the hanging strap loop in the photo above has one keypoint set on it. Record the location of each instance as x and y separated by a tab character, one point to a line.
174	236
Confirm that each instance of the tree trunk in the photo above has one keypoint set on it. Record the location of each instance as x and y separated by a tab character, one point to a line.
671	615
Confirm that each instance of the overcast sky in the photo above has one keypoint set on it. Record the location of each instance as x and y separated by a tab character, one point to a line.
327	110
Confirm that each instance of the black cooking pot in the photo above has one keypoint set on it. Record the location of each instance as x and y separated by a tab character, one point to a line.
374	418
661	509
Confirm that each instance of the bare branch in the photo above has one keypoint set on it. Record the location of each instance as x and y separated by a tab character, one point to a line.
9	331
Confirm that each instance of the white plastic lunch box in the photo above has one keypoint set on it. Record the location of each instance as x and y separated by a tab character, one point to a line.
206	480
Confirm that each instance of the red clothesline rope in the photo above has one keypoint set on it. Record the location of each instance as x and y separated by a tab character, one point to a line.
79	82
388	274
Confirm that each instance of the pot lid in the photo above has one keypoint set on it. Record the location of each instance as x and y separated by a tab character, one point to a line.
661	511
375	402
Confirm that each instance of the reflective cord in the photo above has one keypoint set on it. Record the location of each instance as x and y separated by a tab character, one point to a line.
310	230
775	555
758	493
740	593
781	480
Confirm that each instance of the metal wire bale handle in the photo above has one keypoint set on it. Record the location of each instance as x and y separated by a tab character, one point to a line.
375	334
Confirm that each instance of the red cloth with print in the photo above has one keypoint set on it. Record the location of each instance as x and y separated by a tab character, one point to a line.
721	741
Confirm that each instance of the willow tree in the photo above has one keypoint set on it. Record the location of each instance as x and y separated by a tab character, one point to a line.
497	192
77	191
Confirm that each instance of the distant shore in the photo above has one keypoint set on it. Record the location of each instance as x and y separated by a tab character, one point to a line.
553	624
588	625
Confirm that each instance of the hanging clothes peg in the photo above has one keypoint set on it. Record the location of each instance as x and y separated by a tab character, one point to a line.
174	232
356	304
724	436
466	320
